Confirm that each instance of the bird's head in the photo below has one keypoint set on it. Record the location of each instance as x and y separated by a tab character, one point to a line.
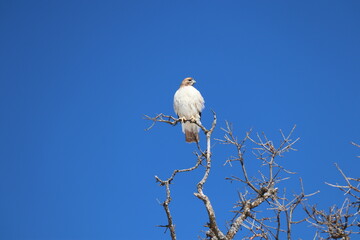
188	82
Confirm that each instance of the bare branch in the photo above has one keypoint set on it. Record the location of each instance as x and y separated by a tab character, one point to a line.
162	118
336	223
356	145
167	201
214	229
349	185
200	194
263	187
171	120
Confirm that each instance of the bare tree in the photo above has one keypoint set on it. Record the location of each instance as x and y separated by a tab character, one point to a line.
339	222
262	188
203	155
263	210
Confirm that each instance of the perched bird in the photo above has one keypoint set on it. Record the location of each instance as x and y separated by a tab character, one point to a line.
188	104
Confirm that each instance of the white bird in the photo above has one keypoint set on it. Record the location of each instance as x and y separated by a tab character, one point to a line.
188	104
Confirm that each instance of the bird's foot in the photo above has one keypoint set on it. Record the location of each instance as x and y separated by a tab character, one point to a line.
182	119
193	119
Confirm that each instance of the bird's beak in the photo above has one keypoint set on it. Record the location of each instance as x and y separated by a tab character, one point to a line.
194	81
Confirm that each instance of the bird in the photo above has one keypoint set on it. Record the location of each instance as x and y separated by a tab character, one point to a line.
188	105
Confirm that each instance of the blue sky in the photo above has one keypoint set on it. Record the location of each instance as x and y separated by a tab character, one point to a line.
78	76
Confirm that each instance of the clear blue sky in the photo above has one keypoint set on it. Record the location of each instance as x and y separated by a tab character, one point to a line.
76	78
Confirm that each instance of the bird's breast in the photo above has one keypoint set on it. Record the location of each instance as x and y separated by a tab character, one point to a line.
188	102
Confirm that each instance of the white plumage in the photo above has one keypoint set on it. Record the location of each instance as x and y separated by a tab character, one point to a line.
188	104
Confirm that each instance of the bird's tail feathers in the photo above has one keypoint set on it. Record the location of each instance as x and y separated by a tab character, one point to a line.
191	131
191	136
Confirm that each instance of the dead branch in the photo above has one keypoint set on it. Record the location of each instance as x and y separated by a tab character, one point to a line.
337	223
264	187
350	188
262	190
200	157
172	121
355	144
167	201
214	229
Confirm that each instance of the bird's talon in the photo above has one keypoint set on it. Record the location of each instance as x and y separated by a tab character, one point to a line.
193	119
182	119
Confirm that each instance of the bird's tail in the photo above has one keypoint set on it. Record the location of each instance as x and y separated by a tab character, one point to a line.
191	131
191	136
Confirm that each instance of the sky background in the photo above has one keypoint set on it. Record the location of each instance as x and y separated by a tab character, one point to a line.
76	78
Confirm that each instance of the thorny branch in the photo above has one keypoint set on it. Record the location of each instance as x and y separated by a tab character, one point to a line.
250	211
356	145
173	121
213	226
339	223
203	156
350	184
167	201
264	188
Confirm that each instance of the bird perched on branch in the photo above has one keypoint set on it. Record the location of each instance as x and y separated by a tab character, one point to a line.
188	104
